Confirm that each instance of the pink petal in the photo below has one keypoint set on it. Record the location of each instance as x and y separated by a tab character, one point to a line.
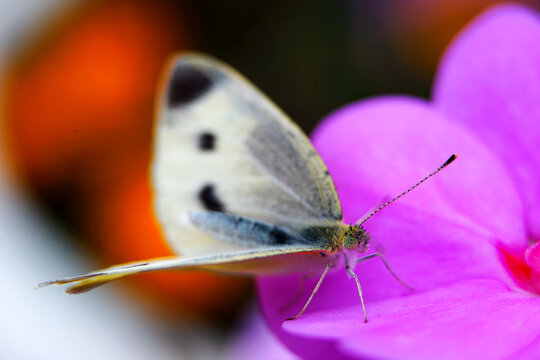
424	250
490	82
255	342
529	352
377	148
475	319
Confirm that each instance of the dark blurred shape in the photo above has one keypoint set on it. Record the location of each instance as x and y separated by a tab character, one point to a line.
297	52
410	37
314	56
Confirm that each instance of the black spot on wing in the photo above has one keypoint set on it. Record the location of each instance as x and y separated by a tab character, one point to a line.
186	85
209	199
207	141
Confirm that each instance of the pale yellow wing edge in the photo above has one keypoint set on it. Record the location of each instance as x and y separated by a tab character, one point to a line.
250	262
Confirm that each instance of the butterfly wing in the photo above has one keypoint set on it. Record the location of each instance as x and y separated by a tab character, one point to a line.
264	260
238	187
221	145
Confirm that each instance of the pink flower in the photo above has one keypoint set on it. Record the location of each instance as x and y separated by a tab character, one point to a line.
467	240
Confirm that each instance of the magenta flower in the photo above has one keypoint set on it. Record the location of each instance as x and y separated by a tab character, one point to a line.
467	240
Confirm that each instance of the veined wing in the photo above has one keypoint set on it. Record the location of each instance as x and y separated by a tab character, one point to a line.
221	145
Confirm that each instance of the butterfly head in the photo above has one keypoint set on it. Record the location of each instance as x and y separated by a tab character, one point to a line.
356	238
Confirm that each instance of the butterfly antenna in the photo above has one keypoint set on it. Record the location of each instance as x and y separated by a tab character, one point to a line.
446	163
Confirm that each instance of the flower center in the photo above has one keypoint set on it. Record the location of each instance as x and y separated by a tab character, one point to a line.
524	266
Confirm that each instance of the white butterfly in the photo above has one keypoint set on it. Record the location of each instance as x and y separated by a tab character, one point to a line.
238	187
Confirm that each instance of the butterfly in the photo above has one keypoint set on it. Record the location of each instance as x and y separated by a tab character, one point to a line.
238	187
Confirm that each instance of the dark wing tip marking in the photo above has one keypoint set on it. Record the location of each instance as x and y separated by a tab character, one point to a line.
207	141
187	83
209	199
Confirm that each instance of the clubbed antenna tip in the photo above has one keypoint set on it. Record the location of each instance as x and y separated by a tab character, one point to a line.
449	161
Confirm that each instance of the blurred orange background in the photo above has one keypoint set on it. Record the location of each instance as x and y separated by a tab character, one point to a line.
79	125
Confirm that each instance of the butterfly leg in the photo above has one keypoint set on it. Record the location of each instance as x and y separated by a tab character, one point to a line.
371	256
353	274
328	267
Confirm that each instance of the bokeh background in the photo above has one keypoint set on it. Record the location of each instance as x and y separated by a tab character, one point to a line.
78	83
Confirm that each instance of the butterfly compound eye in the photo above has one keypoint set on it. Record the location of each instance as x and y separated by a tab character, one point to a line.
350	242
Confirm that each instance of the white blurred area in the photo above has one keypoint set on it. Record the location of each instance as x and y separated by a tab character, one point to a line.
46	323
18	18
